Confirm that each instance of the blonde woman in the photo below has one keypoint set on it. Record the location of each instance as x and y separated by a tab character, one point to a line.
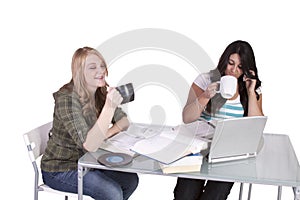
84	110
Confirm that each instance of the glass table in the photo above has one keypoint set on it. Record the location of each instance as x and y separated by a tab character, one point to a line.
276	164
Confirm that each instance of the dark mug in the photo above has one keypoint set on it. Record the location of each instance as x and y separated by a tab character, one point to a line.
127	92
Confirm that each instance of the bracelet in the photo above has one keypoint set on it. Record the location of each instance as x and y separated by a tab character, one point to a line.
199	105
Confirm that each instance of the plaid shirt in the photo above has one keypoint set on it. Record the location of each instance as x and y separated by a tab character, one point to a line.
69	131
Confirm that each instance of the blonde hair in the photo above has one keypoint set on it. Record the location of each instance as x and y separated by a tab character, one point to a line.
86	98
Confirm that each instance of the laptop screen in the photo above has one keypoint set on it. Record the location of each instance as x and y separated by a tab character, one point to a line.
236	138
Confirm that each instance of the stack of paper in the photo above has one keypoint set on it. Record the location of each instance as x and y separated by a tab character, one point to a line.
172	145
125	140
162	143
189	163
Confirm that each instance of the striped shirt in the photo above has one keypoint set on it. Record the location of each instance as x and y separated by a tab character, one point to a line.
231	108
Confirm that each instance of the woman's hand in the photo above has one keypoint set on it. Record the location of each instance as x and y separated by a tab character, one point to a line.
113	98
250	83
120	125
211	90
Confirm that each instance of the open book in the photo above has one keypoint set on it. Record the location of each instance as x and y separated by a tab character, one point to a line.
125	140
171	145
189	163
162	143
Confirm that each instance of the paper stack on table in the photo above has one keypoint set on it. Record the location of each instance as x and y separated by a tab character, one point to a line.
165	144
171	145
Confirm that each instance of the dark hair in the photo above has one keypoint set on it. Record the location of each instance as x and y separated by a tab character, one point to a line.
245	51
100	98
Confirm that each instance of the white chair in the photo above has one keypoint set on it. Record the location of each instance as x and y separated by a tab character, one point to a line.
36	142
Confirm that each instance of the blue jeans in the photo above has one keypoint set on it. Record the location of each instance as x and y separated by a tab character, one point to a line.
99	184
195	189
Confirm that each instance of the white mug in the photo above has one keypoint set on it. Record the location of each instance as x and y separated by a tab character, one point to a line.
227	86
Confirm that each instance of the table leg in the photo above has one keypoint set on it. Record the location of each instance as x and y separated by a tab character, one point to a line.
241	191
279	192
80	182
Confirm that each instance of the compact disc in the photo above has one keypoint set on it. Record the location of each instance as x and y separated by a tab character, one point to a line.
114	159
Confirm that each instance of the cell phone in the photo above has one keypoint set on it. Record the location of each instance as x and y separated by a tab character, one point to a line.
249	75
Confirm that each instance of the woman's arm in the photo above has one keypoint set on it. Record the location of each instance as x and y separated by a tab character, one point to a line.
99	132
254	105
120	125
197	101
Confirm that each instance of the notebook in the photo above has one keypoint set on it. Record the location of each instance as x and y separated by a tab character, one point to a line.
237	138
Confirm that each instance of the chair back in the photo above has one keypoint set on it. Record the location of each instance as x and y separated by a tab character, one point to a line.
36	140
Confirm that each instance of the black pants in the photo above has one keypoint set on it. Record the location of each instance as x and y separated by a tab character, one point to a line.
194	189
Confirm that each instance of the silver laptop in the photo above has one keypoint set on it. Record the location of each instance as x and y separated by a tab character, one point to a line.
237	138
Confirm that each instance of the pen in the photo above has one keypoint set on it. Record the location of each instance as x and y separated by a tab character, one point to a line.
208	122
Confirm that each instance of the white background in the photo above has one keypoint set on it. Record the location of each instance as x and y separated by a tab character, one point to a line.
38	38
